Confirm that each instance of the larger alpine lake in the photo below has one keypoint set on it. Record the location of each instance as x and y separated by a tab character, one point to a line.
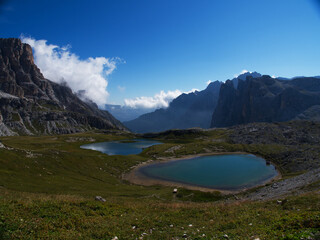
221	172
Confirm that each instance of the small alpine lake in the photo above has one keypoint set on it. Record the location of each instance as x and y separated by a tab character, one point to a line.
222	172
122	147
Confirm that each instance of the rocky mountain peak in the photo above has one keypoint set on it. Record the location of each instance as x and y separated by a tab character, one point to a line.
14	49
19	76
214	85
251	74
244	77
267	99
31	104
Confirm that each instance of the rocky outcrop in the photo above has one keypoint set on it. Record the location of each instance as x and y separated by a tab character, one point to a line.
186	111
286	187
266	99
31	104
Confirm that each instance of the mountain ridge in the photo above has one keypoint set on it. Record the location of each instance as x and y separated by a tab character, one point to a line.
250	97
266	99
33	105
186	111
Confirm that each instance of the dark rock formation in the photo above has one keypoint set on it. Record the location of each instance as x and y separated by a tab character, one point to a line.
31	104
266	99
186	111
244	76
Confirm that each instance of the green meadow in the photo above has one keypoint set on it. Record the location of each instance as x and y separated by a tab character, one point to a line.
48	186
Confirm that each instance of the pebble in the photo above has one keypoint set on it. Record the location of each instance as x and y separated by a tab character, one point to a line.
99	198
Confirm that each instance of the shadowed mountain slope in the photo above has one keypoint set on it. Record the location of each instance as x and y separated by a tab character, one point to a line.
267	99
186	111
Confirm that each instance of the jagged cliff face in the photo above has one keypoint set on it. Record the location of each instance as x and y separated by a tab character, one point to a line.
31	104
265	99
186	111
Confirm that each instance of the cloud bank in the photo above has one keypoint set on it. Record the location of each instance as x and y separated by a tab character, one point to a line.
88	76
159	100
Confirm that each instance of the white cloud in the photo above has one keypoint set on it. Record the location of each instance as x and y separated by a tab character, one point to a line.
121	88
208	82
242	72
192	91
59	64
159	100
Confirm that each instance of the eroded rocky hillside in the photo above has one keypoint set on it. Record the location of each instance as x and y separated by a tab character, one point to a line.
32	105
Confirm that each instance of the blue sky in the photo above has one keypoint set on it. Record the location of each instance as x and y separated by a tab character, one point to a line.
175	44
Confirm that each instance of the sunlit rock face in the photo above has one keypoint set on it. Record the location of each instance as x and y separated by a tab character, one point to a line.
31	104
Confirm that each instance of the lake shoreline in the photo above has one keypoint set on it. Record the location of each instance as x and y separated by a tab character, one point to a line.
135	176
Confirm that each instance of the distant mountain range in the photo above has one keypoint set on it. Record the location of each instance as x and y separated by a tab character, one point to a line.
250	97
186	111
32	105
124	113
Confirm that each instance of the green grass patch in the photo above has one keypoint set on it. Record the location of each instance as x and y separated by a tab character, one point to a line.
48	185
38	216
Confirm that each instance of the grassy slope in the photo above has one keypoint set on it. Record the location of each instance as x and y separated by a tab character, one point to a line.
56	164
47	186
35	216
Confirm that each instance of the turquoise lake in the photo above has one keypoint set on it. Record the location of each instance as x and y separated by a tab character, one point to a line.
222	172
123	147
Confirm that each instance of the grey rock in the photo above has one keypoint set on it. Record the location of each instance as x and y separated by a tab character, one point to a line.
33	105
100	199
286	187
